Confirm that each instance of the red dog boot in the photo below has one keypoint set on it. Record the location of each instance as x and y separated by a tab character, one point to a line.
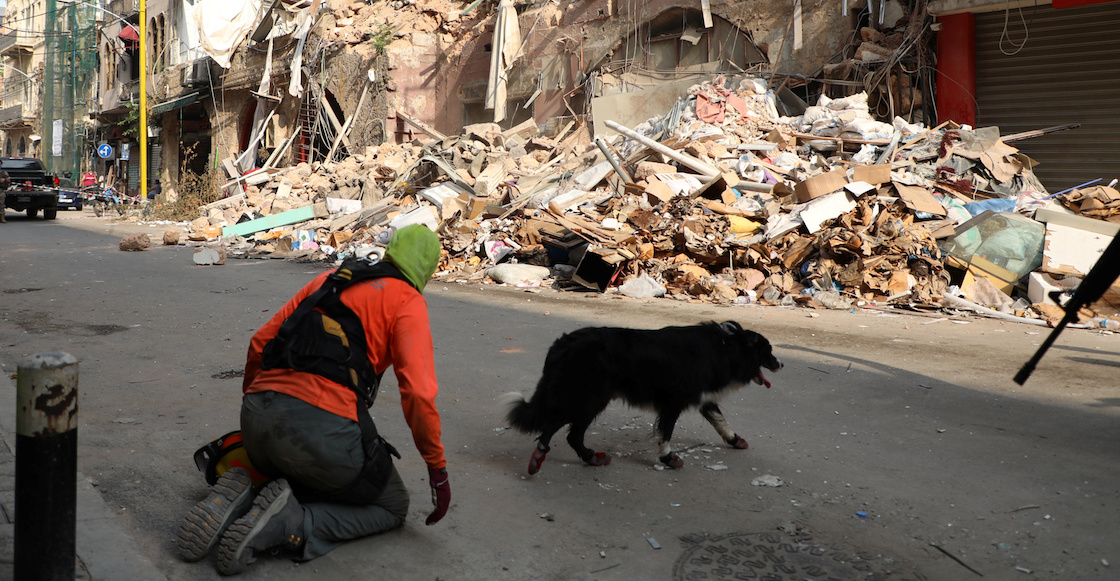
599	459
538	458
672	460
738	442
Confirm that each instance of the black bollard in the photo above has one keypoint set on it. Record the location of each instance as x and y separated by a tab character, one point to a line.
46	467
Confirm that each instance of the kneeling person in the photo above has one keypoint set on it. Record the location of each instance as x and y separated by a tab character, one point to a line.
306	424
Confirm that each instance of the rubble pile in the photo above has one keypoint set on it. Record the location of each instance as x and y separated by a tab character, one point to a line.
720	200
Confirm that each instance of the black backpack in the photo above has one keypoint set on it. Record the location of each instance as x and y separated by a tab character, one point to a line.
325	337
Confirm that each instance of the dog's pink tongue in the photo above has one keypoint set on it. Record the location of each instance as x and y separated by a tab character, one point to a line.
765	381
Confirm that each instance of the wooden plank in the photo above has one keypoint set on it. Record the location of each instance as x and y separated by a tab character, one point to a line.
230	168
421	126
295	216
251	149
346	127
334	120
279	153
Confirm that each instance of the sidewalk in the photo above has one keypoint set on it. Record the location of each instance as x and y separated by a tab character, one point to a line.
105	551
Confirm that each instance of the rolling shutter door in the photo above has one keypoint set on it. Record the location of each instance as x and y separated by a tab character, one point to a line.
1067	72
132	188
155	154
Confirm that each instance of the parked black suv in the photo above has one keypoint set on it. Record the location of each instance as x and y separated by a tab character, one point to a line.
32	188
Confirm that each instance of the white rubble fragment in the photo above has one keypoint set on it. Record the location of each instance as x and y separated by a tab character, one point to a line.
767	480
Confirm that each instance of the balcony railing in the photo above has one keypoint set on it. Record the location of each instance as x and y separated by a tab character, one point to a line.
123	7
12	113
16	41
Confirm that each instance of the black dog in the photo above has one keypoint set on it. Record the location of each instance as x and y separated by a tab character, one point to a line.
667	370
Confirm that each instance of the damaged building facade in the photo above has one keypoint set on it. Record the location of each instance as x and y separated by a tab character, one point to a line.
220	81
231	84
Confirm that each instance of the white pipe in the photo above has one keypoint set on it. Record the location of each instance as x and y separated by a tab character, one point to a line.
689	161
958	302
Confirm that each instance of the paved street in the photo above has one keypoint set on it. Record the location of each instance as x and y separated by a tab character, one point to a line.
903	447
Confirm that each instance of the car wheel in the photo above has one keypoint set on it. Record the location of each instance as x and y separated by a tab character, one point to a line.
32	212
79	207
50	214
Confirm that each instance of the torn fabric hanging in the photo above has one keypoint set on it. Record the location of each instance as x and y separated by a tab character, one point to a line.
505	47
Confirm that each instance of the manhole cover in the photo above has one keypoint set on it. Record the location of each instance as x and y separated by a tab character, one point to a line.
768	557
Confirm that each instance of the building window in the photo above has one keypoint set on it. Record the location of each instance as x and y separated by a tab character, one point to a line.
677	39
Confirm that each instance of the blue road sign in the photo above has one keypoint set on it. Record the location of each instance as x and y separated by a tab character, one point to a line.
105	151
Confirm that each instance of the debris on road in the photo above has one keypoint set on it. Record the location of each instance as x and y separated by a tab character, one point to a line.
135	242
209	256
719	200
767	480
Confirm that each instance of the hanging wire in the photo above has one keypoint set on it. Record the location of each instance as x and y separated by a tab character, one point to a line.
1026	30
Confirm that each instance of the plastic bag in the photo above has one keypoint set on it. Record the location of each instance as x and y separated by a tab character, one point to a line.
642	287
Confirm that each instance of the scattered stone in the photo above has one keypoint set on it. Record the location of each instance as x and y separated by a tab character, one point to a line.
136	242
767	480
210	256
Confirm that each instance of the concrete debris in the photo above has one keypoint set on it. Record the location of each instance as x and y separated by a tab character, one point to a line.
209	256
719	200
518	273
135	242
767	480
171	237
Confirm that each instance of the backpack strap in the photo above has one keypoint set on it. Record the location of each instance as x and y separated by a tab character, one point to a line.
325	306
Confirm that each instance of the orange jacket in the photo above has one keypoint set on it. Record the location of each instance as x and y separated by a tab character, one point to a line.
395	318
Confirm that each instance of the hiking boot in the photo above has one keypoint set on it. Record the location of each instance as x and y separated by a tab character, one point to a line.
202	528
275	524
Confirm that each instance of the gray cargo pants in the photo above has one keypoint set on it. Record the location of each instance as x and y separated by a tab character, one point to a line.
320	454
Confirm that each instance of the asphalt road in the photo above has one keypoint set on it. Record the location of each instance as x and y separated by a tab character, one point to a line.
904	449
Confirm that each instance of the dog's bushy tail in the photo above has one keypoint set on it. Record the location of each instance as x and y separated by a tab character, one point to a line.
521	414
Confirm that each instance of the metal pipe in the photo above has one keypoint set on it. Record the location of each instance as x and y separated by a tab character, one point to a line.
687	160
754	187
46	467
618	169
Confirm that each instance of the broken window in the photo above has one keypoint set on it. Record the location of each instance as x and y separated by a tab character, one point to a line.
473	97
516	113
677	39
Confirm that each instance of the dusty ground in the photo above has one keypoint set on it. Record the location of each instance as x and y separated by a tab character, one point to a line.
912	419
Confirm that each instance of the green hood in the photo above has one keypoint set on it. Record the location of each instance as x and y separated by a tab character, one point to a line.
414	250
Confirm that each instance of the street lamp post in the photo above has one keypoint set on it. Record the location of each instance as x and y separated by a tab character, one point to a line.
29	77
143	84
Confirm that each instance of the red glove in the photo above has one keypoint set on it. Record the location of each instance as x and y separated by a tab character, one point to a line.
441	494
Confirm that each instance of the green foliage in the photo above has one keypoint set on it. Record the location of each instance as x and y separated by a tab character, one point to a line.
195	190
382	37
131	121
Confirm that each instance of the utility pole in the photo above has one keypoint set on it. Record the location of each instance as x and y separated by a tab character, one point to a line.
74	149
143	100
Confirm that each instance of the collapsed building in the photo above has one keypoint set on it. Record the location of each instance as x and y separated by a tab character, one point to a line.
731	152
720	199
